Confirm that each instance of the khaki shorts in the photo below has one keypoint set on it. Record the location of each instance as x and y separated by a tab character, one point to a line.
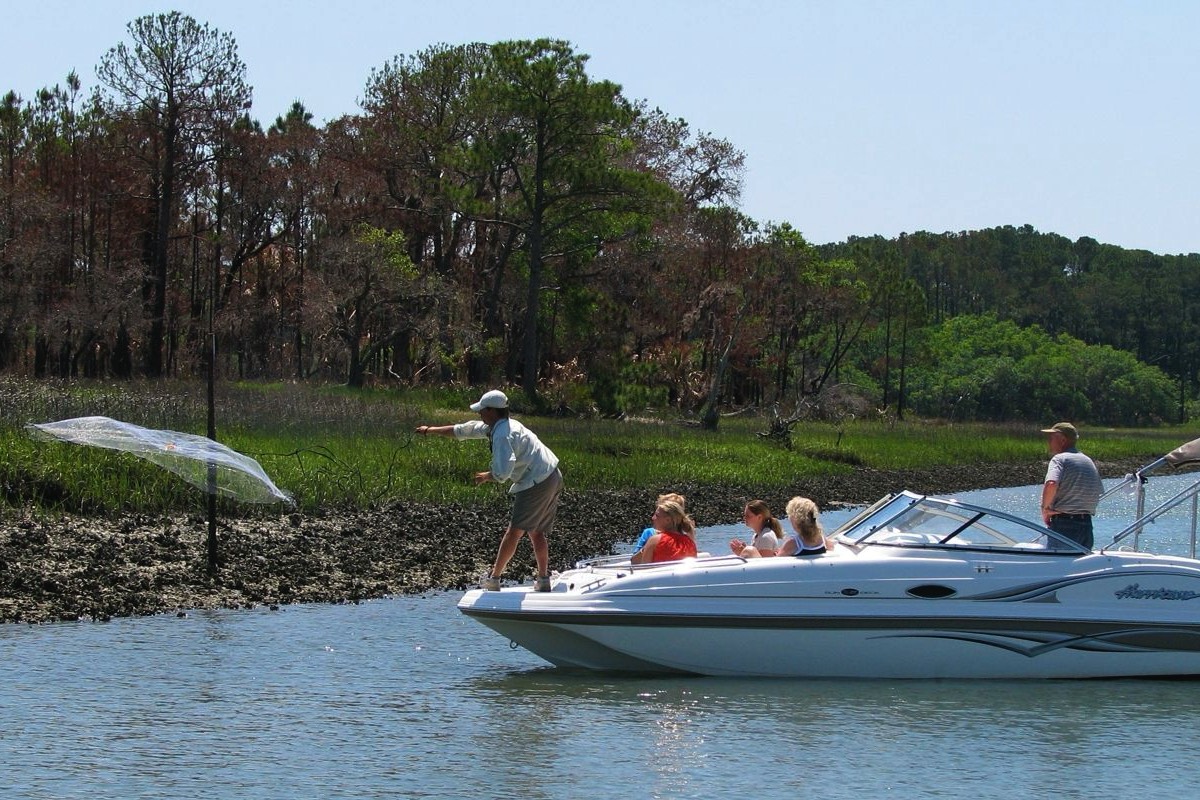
536	508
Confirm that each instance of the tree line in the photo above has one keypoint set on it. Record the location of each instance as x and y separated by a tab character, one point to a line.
495	214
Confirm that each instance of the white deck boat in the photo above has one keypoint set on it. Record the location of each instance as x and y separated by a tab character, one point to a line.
917	587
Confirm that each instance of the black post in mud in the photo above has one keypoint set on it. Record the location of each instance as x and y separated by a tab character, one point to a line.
211	546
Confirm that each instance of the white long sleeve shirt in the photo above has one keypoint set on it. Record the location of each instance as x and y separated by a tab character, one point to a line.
518	455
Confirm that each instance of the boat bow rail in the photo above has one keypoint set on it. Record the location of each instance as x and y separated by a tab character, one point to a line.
592	573
621	561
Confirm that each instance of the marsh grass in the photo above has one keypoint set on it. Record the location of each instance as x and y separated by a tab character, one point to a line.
333	447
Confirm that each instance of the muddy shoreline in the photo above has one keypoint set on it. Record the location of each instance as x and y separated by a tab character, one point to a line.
69	568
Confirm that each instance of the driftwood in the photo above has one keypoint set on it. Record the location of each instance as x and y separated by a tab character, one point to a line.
780	429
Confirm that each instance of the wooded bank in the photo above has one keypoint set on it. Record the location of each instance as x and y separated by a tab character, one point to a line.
497	214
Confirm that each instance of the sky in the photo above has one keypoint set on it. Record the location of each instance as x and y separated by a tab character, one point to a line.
856	117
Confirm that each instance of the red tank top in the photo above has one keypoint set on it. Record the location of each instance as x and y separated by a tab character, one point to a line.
673	546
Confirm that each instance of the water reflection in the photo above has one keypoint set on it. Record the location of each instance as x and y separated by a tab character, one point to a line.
692	737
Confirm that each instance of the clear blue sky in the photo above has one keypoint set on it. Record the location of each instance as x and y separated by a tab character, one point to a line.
1079	117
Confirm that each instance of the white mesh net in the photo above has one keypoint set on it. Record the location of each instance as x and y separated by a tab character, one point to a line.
187	455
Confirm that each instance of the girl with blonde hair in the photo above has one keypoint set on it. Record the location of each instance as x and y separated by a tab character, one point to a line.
673	538
648	532
809	539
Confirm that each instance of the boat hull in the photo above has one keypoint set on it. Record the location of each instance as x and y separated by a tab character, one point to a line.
1091	617
830	645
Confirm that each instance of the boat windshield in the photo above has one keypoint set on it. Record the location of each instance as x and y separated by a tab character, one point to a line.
911	520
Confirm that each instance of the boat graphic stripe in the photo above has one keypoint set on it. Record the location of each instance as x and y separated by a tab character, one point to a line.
1043	590
1144	640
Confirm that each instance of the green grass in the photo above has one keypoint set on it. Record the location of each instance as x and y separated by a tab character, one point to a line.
333	447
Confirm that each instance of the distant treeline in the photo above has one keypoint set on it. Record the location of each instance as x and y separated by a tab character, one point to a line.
496	215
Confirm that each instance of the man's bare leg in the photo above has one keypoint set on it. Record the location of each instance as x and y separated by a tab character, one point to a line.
508	547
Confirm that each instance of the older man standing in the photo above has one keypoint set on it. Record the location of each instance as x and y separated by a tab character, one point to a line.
1072	487
518	456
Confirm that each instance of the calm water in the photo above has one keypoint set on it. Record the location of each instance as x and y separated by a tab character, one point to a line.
406	698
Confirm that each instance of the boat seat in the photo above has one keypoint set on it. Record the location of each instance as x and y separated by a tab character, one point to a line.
902	537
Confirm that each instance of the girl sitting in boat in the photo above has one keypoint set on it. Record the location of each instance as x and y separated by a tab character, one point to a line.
768	533
809	539
648	532
674	536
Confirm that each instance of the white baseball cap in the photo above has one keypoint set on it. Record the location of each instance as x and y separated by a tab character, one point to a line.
493	399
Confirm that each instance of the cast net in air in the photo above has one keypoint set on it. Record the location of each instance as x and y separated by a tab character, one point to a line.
200	461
